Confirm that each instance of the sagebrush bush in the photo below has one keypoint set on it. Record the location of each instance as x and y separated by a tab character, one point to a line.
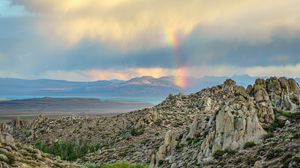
273	153
115	165
275	124
286	114
91	165
137	131
249	144
123	165
268	136
68	150
295	116
219	153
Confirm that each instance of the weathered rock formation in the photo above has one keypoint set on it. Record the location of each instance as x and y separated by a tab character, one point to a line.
282	92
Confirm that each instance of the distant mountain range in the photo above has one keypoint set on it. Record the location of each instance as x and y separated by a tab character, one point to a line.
145	86
137	87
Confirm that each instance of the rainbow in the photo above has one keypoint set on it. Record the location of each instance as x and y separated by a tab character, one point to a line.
173	40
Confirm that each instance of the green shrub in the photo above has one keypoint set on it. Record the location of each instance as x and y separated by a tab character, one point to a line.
230	151
11	157
123	165
249	144
115	165
137	131
219	153
177	124
196	141
67	151
160	162
189	140
158	122
273	153
193	141
92	165
281	112
295	116
293	161
268	136
251	160
286	113
179	146
275	124
144	142
296	136
286	160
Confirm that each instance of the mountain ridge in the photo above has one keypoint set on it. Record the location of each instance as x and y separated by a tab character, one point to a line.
153	87
146	86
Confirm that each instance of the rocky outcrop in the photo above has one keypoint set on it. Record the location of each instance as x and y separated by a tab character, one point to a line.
168	146
235	124
282	92
280	148
231	116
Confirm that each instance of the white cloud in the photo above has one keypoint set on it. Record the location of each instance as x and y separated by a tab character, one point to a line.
197	72
259	71
107	74
147	23
288	71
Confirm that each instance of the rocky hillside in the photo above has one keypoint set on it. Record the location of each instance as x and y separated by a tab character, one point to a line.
209	128
14	154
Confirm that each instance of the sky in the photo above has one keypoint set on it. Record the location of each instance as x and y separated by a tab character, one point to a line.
88	40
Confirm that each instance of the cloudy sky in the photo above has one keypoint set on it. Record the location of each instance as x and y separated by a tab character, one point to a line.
87	40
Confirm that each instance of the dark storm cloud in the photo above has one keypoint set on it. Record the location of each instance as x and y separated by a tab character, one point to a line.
279	50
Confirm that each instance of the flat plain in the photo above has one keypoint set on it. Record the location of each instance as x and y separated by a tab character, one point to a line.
55	107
